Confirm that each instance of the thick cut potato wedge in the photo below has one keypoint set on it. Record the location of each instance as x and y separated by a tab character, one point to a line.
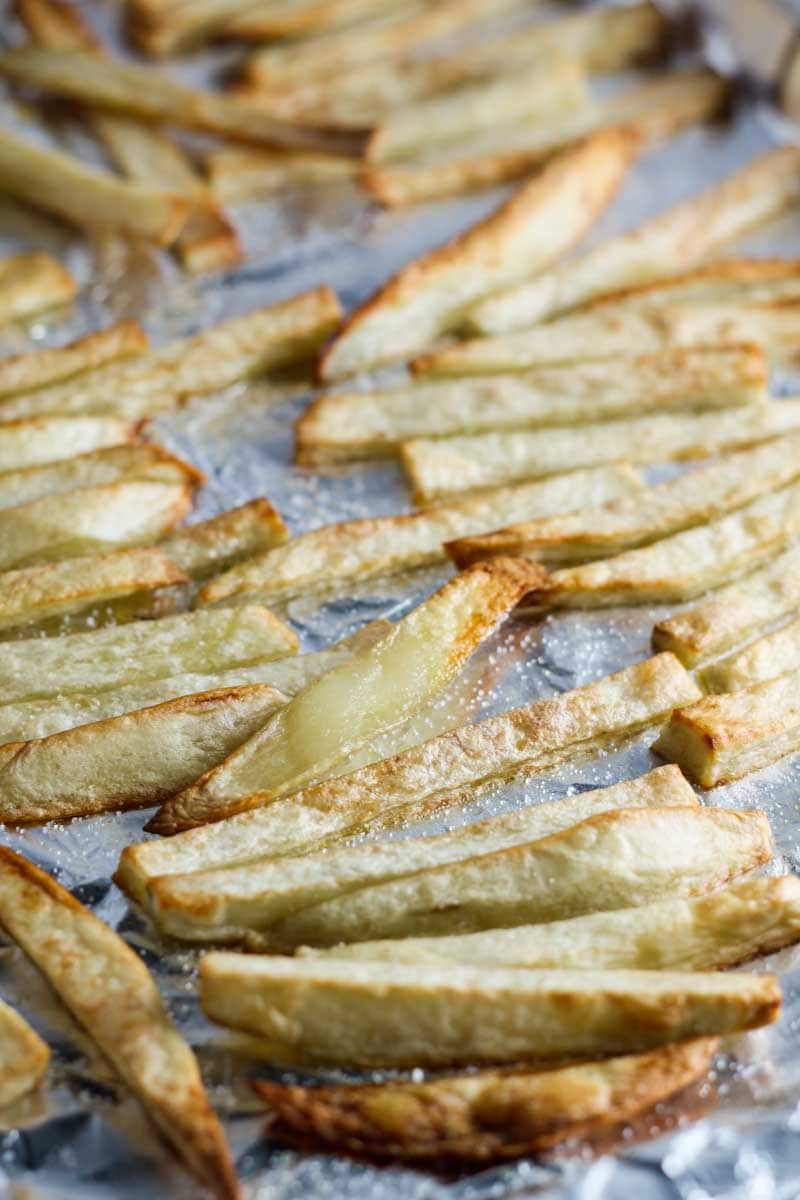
216	544
108	990
380	546
381	1015
40	718
679	237
233	903
539	222
689	500
354	425
51	439
98	468
126	654
623	328
163	749
427	778
116	86
684	565
38	368
705	933
720	738
236	350
90	521
763	659
24	1057
734	613
31	283
377	689
611	860
483	1117
56	589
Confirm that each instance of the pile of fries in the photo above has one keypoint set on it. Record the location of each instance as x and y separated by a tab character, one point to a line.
564	963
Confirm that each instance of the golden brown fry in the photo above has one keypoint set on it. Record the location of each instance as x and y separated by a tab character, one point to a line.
31	283
50	439
39	368
24	1057
217	544
235	173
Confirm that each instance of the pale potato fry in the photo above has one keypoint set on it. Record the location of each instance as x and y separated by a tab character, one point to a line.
629	521
40	718
622	329
24	1057
216	544
145	461
236	173
56	589
108	990
236	350
539	222
38	368
31	283
684	565
381	1014
63	185
117	86
722	281
721	738
679	237
164	748
294	18
380	546
355	425
485	1116
31	443
126	654
91	520
438	468
240	902
706	933
555	87
734	613
424	779
763	659
376	690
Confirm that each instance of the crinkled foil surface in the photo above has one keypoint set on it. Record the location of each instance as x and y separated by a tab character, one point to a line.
83	1138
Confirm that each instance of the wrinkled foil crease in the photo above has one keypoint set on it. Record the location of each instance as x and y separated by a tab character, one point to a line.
734	1138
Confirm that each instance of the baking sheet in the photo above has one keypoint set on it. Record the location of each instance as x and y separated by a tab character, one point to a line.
83	1137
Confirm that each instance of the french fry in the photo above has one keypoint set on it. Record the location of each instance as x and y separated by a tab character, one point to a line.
609	861
767	657
556	87
485	1116
122	655
723	281
31	443
629	521
145	461
295	18
31	283
378	688
380	546
438	468
721	738
164	748
218	543
237	903
90	521
24	1057
88	198
428	297
706	933
208	241
684	565
432	776
236	173
40	718
38	368
662	107
354	425
682	236
620	329
385	1015
56	589
108	990
115	86
734	613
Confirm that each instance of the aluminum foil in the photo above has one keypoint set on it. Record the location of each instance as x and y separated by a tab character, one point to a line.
733	1138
